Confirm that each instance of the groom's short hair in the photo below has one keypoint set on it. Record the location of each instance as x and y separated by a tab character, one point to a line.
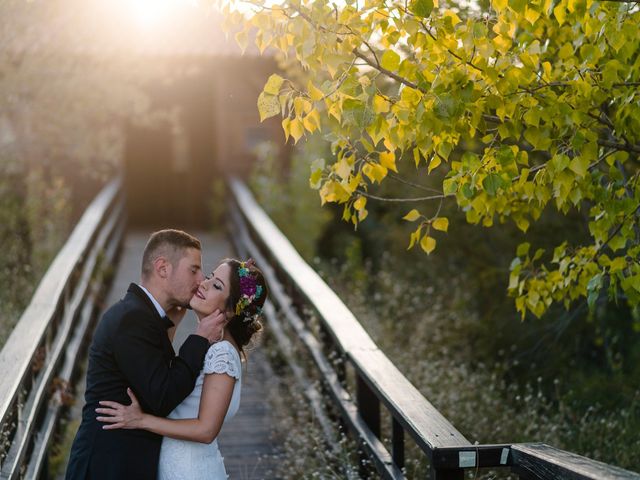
169	243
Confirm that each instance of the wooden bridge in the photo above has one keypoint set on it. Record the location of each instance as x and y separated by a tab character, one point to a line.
320	338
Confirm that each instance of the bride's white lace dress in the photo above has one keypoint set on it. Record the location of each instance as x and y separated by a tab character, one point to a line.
182	460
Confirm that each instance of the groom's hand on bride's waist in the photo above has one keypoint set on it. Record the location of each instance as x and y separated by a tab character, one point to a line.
212	326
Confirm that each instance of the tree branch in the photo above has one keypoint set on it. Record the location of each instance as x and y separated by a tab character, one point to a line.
627	147
415	199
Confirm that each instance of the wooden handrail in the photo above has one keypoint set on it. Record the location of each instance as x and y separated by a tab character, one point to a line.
539	461
416	413
55	321
378	381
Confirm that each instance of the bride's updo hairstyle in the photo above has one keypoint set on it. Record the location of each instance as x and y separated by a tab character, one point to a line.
247	294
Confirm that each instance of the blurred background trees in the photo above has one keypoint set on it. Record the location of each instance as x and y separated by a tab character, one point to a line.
62	117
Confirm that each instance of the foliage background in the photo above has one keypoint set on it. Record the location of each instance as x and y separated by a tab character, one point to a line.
517	107
458	117
569	379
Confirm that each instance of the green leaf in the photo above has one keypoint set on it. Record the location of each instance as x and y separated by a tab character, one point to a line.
315	179
579	165
447	107
593	290
523	249
422	8
390	60
518	6
492	183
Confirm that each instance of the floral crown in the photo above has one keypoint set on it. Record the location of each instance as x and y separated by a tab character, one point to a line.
249	292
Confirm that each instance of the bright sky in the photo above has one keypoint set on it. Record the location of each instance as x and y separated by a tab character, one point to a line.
153	13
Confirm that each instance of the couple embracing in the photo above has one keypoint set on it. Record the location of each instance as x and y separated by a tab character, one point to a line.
150	413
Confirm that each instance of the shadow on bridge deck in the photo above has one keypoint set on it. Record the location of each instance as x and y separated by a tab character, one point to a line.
245	442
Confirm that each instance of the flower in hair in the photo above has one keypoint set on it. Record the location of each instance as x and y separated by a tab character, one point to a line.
243	271
249	291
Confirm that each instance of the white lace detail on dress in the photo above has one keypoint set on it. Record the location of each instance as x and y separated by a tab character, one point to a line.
221	358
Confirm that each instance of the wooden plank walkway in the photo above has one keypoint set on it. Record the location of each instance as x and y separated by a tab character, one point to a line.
245	442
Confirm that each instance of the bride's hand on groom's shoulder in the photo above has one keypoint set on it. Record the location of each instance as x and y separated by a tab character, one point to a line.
116	415
212	326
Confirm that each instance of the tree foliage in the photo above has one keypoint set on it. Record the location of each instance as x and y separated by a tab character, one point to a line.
517	106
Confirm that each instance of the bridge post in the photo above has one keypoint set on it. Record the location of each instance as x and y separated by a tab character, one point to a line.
397	442
369	409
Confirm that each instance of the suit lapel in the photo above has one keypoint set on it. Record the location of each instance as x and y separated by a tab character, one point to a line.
141	295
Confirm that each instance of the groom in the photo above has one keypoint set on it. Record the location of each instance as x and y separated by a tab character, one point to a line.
131	348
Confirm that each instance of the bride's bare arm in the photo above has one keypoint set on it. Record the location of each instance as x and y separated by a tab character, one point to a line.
214	403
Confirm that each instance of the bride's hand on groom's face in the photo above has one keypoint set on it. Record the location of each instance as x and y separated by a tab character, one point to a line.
116	415
212	326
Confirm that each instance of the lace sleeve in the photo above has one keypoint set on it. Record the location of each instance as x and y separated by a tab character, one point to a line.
222	359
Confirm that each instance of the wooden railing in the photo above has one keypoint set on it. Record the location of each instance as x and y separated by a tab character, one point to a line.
360	380
39	360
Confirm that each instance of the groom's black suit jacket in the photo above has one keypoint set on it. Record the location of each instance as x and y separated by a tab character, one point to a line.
130	348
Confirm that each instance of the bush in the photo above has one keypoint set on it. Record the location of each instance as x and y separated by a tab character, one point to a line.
35	218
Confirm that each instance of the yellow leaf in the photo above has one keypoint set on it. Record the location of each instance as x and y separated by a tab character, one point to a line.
297	129
546	66
242	39
428	244
499	5
380	104
388	160
441	224
360	203
566	51
314	92
342	168
335	109
416	156
273	84
375	172
301	106
531	15
522	224
268	106
455	19
389	143
560	13
502	43
412	216
415	236
312	121
435	161
286	126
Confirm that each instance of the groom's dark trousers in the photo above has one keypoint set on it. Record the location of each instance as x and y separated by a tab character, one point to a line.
130	348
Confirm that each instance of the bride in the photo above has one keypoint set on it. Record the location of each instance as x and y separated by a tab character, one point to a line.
189	447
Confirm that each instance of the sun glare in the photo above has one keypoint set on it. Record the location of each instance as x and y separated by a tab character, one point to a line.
149	13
